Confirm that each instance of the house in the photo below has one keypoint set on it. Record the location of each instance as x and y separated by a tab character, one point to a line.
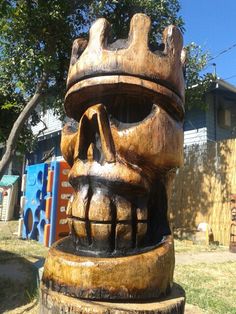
218	121
48	132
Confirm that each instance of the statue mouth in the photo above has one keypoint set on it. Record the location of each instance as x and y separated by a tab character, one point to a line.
116	218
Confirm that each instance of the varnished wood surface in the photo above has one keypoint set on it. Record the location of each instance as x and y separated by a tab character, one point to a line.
54	303
132	58
138	277
128	102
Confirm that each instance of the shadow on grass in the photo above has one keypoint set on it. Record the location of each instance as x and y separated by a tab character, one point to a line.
18	281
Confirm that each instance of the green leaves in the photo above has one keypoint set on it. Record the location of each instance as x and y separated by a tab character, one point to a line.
197	83
119	13
9	105
36	37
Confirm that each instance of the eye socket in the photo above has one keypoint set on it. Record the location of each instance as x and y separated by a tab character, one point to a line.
128	110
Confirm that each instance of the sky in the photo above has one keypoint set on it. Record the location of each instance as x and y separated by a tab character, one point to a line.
212	25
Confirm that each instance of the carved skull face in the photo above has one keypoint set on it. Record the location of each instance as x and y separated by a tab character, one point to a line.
121	161
127	143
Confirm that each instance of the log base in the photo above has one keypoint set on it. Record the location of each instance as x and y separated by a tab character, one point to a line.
52	302
143	276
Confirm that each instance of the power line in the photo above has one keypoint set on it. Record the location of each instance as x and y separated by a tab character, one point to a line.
222	52
227	78
219	54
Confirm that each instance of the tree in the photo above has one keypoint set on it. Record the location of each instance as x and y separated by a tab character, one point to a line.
34	49
35	40
197	84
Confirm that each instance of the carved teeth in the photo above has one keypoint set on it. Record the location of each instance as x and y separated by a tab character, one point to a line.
100	207
101	236
123	209
123	236
69	207
80	202
80	233
142	213
101	223
141	232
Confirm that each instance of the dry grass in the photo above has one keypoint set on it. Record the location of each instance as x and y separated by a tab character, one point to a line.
9	243
187	246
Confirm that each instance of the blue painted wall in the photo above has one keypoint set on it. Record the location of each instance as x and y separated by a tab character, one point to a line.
197	118
194	119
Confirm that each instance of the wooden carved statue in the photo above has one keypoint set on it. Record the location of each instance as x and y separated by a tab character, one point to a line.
128	102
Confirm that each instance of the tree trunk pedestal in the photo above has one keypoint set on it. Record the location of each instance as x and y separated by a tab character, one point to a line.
76	284
52	302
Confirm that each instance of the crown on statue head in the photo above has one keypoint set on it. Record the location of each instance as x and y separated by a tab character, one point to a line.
99	69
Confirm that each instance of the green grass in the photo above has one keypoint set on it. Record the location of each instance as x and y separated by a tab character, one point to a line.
211	287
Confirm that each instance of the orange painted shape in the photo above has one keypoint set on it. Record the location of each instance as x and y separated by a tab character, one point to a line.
50	181
46	235
64	192
48	208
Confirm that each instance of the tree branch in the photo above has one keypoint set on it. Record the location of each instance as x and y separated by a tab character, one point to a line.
43	129
19	123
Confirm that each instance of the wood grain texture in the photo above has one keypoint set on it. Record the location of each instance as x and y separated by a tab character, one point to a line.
128	104
53	303
143	276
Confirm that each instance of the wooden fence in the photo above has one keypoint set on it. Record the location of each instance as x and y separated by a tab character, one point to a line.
203	186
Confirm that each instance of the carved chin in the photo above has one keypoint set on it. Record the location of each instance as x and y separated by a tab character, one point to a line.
104	222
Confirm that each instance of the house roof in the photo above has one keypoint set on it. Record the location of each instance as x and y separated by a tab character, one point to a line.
223	85
8	180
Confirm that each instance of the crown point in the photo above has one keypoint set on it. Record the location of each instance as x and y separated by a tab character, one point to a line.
173	40
98	34
139	30
105	65
78	48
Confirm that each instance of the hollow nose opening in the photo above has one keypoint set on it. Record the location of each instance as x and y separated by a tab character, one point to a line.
94	139
91	150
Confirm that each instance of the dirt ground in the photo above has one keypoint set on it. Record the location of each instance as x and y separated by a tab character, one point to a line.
204	257
18	272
